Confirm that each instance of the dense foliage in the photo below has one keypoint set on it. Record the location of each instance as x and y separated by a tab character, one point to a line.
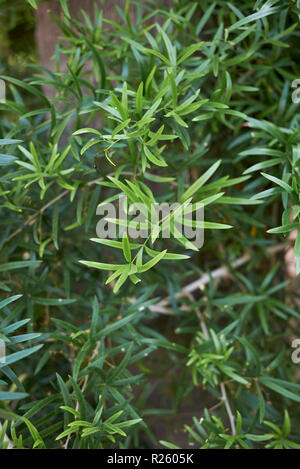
191	103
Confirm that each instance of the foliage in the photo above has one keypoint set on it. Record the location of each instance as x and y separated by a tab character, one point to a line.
191	104
17	28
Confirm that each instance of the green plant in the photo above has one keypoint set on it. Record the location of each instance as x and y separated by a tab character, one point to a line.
195	108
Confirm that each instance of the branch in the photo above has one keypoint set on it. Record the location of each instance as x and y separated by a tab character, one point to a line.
31	220
160	307
228	409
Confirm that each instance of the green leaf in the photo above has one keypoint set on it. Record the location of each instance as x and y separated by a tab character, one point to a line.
168	445
263	165
12	396
297	245
284	229
152	262
139	98
55	226
188	51
126	247
116	325
9	300
101	265
14	357
279	182
276	386
153	158
266	10
18	265
32	3
200	182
